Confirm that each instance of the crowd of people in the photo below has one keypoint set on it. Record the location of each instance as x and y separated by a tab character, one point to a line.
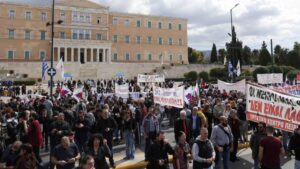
207	131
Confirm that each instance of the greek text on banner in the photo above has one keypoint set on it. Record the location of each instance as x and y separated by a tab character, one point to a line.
279	110
168	96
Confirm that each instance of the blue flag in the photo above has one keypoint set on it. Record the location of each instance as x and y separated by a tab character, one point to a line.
230	69
44	68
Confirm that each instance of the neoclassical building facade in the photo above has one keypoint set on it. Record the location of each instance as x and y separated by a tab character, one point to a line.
87	32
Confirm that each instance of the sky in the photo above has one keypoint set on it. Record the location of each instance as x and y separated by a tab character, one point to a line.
255	21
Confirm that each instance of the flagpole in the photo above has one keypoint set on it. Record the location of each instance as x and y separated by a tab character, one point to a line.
51	62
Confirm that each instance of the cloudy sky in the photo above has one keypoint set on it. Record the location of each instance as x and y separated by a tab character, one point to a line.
209	20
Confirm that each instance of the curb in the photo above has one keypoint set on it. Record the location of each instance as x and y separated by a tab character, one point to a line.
143	164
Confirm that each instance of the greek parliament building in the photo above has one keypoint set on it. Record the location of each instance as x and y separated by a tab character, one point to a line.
93	41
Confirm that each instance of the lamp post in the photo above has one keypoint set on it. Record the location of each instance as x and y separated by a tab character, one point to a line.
52	50
232	41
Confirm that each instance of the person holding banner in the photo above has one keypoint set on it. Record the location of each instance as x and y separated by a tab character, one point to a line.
294	147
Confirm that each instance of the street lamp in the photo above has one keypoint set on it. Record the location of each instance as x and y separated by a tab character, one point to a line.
52	35
232	40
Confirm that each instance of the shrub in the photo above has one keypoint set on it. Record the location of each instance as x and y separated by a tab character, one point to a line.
259	70
291	75
204	75
219	73
274	69
191	76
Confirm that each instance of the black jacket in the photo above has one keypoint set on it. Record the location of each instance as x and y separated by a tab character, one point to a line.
295	145
159	151
178	126
102	124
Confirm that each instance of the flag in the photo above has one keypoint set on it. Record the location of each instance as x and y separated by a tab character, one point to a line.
64	91
238	69
60	66
196	90
188	95
44	68
225	60
78	94
230	69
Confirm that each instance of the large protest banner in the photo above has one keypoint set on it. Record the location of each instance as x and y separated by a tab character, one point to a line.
276	109
270	78
169	96
150	78
239	86
294	90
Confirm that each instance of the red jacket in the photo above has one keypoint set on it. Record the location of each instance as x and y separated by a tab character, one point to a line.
35	136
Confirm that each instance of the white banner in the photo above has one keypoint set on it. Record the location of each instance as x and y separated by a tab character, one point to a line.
134	95
239	86
279	110
150	78
269	78
122	90
169	96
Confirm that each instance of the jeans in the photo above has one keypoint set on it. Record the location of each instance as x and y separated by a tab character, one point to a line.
223	155
130	145
256	163
297	164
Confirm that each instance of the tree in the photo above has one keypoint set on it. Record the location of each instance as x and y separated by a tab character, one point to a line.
264	56
255	57
297	48
204	76
259	70
246	55
191	76
222	55
194	56
234	50
293	59
213	55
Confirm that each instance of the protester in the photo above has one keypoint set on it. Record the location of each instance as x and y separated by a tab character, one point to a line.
203	151
221	137
182	124
35	136
195	124
98	149
270	149
158	153
65	154
234	124
294	146
10	155
255	142
86	162
82	130
129	130
27	158
182	152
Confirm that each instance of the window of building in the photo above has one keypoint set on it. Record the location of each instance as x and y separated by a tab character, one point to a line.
179	27
28	15
170	25
26	55
138	23
127	56
81	34
138	57
160	57
149	39
126	22
160	41
180	57
43	16
180	42
42	55
63	35
170	41
88	19
127	39
99	20
99	36
87	34
171	57
74	34
81	18
10	54
138	39
115	38
75	17
149	24
12	14
43	35
11	33
115	56
159	25
115	21
62	16
27	34
149	56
